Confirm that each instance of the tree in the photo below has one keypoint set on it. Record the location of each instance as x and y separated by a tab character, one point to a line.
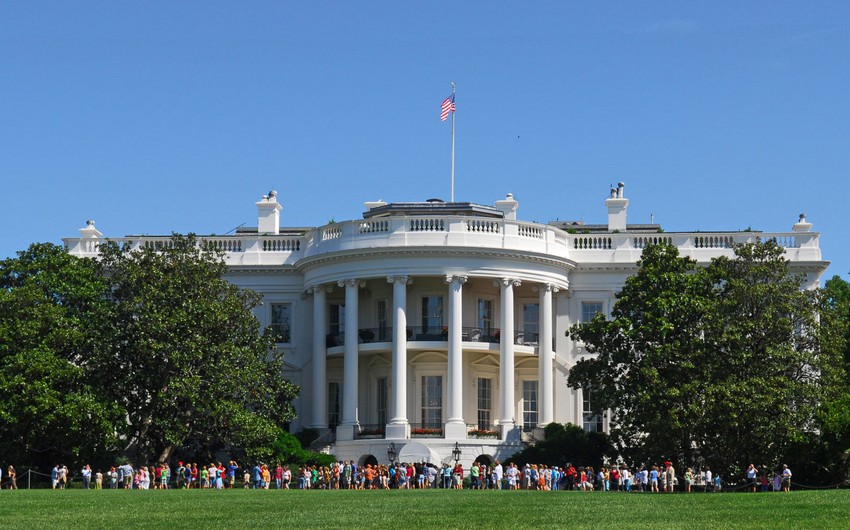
564	444
186	359
719	364
51	305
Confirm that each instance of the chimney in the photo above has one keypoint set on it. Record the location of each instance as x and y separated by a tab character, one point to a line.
509	206
617	205
268	215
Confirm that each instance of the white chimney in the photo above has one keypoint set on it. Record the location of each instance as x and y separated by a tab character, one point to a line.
617	205
268	216
509	206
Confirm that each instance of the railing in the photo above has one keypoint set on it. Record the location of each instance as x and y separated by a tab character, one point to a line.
374	430
324	440
426	430
381	334
446	231
433	334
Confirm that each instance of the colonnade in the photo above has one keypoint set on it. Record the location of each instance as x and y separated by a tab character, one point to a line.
398	426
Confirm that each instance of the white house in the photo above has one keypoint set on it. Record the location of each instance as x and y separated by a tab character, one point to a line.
424	325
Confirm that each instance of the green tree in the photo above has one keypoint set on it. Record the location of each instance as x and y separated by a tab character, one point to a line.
566	443
51	306
186	358
718	365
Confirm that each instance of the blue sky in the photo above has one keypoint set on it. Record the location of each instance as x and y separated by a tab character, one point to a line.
152	117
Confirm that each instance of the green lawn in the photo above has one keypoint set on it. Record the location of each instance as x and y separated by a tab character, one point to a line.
36	509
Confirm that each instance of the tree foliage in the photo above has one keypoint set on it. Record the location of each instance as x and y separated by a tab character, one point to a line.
566	443
139	352
51	306
718	364
186	359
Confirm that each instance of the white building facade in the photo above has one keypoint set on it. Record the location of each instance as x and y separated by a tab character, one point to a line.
428	327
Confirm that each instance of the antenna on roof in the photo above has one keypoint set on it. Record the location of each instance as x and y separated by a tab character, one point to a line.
234	229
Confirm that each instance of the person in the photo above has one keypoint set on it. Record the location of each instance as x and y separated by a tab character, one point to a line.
181	475
13	478
54	476
689	478
257	476
498	471
98	480
786	478
86	472
671	477
752	475
232	467
62	477
113	478
653	479
707	479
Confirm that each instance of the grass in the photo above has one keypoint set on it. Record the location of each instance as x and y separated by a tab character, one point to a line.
36	509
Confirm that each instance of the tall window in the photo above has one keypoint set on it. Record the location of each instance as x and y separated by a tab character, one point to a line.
432	401
381	400
530	323
592	422
529	405
337	321
382	314
589	310
485	402
333	404
432	314
280	321
485	315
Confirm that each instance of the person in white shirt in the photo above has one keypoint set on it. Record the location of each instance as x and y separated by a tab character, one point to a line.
786	478
497	472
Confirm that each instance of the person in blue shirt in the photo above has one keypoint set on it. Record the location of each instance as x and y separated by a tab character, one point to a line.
257	476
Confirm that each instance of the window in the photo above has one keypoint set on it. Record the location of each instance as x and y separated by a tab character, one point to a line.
432	314
485	315
589	310
381	319
485	403
530	323
381	400
333	404
337	323
592	422
529	405
281	322
432	401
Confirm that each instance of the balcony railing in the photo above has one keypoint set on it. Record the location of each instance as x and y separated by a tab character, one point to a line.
370	431
433	334
426	430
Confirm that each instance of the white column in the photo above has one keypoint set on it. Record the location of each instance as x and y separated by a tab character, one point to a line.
546	356
399	426
506	361
455	426
348	422
320	377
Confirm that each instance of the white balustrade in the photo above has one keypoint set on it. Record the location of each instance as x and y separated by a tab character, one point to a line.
447	231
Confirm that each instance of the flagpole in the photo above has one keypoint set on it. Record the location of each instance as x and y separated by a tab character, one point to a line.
453	147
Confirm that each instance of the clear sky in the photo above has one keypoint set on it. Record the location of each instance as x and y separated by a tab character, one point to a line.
160	116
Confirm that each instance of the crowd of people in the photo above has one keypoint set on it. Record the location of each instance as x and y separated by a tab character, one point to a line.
348	475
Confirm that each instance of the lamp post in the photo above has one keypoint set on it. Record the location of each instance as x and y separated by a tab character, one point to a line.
456	453
392	453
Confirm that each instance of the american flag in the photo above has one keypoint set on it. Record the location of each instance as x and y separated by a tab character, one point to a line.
447	106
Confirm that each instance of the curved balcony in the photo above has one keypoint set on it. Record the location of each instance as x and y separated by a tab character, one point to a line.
474	338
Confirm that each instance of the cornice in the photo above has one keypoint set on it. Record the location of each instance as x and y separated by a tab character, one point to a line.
461	252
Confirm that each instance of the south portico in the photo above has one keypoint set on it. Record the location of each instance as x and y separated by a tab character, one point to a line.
448	340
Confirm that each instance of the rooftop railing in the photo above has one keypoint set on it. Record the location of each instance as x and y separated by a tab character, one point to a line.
466	232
